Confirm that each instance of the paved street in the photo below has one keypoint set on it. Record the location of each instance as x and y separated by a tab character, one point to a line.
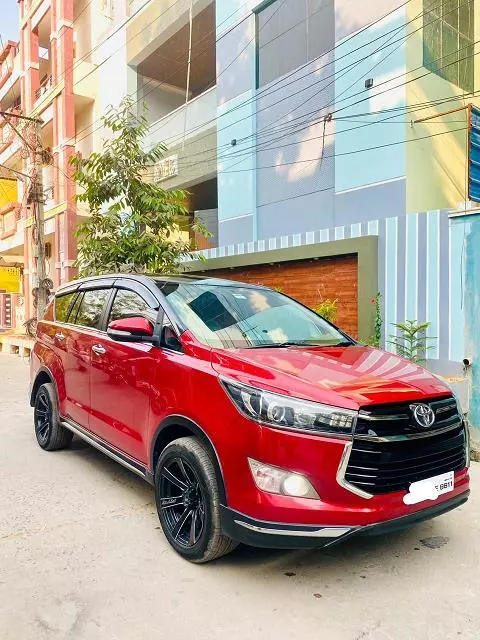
82	557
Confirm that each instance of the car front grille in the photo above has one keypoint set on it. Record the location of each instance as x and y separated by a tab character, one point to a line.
390	453
397	419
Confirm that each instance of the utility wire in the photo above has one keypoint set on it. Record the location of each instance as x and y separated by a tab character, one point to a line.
348	67
267	89
247	152
292	126
157	85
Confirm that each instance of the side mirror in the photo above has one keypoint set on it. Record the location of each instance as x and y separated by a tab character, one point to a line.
170	339
133	329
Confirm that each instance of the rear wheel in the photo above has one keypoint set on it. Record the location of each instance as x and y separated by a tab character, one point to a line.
188	501
48	430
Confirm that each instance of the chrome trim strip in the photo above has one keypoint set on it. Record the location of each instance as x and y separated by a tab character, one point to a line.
342	468
97	445
324	532
448	407
409	436
367	416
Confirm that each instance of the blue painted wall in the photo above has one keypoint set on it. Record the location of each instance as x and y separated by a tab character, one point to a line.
290	171
467	234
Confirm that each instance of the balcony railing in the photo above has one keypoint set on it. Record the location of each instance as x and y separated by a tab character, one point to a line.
191	118
46	85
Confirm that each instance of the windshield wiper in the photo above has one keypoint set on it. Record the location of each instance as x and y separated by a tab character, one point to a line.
276	345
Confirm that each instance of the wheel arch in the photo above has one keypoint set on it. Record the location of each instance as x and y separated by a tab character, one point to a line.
43	376
177	426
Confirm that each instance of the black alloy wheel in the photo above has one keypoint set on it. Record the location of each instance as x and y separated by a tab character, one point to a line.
188	501
50	433
43	417
182	501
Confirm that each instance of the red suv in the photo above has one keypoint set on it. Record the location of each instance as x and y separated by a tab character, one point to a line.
256	420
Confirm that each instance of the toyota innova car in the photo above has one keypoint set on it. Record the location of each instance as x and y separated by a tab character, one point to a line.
256	420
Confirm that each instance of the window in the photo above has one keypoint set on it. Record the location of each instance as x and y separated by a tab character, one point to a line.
448	40
127	303
91	308
76	306
291	33
246	317
62	306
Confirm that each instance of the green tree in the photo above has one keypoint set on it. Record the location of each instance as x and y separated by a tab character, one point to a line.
134	223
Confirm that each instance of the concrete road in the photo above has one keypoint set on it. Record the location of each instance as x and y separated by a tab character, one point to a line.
82	558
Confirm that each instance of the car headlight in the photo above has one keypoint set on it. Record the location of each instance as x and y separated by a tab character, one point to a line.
284	412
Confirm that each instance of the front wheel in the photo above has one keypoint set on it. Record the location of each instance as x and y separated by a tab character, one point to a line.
188	503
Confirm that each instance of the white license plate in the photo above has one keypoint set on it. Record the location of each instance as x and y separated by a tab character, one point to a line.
430	488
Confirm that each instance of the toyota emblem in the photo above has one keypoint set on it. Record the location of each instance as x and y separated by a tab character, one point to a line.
423	414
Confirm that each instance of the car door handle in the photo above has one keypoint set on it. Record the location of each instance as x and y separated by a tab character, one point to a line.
99	350
59	336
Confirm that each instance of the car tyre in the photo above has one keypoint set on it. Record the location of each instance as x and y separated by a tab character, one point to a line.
188	501
50	434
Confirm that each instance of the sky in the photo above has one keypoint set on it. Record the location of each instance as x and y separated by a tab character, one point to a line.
9	20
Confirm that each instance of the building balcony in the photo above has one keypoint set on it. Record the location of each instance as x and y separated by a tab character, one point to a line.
191	119
44	88
85	80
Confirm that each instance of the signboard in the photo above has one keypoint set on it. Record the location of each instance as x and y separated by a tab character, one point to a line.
474	155
10	279
166	168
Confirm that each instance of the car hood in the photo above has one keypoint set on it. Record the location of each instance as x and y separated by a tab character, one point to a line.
349	377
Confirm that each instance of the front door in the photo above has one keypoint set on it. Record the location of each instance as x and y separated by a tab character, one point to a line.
79	336
121	383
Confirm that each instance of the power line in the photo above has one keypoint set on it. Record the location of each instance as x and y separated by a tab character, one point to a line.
267	90
348	153
156	86
246	152
290	124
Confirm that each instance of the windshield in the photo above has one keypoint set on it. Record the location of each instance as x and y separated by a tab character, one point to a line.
230	316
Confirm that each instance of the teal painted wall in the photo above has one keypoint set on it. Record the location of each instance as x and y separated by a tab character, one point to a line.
383	44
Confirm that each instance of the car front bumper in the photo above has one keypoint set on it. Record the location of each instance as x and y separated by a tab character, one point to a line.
258	533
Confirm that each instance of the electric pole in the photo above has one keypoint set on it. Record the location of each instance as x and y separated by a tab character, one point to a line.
42	291
34	153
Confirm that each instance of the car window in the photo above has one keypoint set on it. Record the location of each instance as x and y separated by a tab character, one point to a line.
62	306
91	308
75	307
127	303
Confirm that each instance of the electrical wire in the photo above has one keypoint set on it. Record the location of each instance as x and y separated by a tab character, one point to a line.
247	152
316	70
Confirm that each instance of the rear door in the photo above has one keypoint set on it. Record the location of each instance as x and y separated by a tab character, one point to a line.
122	375
79	337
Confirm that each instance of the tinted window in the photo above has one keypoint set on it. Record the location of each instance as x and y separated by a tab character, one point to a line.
91	308
127	303
237	316
62	306
76	306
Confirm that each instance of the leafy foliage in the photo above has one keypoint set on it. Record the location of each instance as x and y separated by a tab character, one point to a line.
134	224
327	309
412	343
376	339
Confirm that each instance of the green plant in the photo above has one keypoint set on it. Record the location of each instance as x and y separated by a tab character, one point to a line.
327	309
376	339
134	224
412	341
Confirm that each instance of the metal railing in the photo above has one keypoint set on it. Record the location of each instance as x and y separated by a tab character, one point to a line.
44	87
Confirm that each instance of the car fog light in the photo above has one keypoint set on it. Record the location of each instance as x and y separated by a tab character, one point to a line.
280	481
296	485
